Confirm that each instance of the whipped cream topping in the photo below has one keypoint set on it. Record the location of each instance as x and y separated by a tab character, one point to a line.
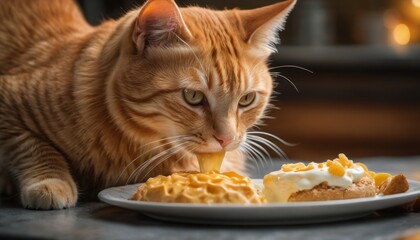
341	172
309	179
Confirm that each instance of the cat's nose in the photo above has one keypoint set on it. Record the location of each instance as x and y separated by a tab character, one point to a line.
223	140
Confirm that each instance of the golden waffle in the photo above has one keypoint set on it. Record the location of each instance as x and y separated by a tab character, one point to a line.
209	188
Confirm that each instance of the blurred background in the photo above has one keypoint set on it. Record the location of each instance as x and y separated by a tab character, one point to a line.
363	97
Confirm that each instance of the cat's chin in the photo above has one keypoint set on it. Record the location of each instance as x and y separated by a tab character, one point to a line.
214	147
208	148
218	149
206	153
213	151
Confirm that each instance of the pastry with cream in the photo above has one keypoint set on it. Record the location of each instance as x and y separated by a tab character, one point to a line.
331	180
209	188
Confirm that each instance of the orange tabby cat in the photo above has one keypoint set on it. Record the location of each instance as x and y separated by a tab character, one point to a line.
83	107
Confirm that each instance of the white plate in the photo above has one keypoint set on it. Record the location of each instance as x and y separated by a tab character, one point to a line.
273	213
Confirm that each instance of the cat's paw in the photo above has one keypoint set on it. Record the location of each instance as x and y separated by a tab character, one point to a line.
51	193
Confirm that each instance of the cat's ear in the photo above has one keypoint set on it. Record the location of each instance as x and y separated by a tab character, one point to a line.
159	23
262	24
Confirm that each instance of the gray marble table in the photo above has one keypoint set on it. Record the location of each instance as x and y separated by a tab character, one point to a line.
95	220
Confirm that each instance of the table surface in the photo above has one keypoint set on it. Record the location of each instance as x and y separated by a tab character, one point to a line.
96	220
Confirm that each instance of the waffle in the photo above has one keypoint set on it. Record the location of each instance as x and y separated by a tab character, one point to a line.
208	188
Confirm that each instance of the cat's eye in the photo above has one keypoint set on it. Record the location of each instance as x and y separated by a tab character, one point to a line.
247	99
193	97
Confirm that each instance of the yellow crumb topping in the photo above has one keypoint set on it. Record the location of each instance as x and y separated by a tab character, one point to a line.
380	178
306	168
211	187
344	161
328	163
336	169
291	167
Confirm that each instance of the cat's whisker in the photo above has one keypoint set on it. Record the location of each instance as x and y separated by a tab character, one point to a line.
145	164
253	156
285	78
269	144
256	153
186	153
244	151
253	133
265	156
248	164
149	161
291	66
173	140
160	161
193	52
256	145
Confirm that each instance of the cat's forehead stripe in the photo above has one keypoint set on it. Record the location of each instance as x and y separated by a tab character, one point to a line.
227	66
199	77
215	80
222	45
210	79
246	80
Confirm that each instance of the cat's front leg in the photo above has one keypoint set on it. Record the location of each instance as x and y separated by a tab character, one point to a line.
42	173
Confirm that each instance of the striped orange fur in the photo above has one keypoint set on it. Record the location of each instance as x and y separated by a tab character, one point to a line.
83	107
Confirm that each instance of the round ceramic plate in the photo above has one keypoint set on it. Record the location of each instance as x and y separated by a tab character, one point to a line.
273	213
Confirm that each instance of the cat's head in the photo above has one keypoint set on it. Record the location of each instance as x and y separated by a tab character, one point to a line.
196	73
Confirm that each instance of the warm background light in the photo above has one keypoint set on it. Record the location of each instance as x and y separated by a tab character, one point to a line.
416	3
402	34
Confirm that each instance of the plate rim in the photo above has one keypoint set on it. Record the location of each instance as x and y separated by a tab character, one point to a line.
113	199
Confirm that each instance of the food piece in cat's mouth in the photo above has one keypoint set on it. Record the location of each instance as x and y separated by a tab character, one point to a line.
210	161
207	188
